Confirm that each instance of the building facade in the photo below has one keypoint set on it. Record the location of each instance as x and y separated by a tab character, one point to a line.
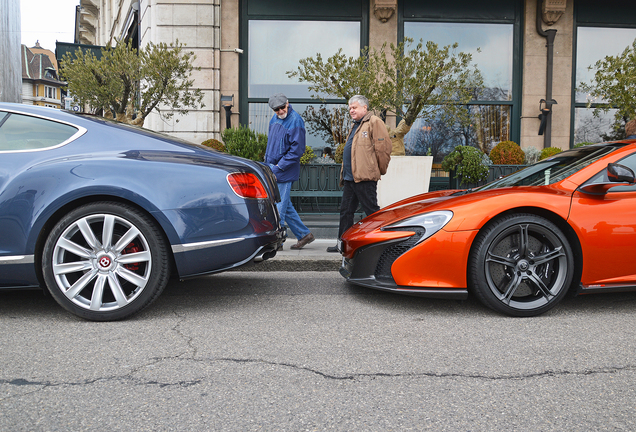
533	55
40	82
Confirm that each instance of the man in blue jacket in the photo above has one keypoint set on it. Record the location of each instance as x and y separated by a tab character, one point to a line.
285	146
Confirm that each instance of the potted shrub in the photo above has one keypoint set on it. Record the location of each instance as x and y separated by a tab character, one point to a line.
215	144
549	152
244	142
308	156
507	153
469	164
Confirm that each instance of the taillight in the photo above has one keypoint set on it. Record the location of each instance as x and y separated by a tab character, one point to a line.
246	185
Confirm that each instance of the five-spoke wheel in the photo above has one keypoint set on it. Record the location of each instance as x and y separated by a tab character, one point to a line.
105	261
521	265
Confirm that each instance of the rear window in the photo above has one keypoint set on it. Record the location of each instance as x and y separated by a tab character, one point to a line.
24	133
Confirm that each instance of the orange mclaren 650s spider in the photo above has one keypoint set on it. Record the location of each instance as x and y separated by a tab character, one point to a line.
519	244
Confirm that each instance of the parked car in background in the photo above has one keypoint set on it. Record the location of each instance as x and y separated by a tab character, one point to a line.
101	213
519	244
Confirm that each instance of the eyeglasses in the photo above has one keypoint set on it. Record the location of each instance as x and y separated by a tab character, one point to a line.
280	108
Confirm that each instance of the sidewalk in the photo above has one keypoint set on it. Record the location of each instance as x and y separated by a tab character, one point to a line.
312	257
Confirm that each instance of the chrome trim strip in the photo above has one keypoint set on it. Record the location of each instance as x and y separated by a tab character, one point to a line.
203	245
17	259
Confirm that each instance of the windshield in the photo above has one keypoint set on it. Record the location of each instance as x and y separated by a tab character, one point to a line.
554	169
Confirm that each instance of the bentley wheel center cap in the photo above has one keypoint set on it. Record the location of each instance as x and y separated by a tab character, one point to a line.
104	262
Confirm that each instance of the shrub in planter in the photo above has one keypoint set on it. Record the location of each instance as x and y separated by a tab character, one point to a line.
549	152
470	164
244	142
215	144
307	156
507	153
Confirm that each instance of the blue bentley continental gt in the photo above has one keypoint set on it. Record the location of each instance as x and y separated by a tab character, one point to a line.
101	214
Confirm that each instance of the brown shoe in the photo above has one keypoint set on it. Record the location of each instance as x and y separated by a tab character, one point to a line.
303	241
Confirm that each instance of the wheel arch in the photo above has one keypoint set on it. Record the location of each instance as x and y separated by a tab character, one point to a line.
64	209
556	219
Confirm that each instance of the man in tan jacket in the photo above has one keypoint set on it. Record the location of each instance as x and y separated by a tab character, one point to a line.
366	157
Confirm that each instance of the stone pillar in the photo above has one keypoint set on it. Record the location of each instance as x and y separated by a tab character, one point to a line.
197	25
534	77
229	56
11	71
383	28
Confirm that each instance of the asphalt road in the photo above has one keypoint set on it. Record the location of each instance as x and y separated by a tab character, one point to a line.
294	351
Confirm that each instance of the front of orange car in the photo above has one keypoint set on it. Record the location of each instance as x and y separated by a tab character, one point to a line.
421	245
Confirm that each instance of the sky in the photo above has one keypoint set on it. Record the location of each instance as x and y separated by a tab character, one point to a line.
47	21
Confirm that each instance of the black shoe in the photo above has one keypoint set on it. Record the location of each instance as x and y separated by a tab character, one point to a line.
332	249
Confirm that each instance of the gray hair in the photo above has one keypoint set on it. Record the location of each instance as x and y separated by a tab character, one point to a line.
360	100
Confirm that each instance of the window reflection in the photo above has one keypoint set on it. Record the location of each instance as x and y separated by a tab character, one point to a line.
592	129
261	114
594	44
24	133
494	42
276	46
489	125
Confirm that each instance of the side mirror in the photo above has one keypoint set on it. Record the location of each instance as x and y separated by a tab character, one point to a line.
617	174
620	174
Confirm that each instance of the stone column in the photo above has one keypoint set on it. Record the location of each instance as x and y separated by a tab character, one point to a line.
383	28
534	78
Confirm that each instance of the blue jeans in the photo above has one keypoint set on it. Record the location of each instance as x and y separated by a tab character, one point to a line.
288	212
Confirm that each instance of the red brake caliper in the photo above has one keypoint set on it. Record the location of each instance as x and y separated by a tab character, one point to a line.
131	248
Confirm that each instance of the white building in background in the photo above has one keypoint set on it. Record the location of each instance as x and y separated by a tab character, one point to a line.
195	24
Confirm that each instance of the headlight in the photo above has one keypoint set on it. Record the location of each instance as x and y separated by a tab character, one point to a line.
430	223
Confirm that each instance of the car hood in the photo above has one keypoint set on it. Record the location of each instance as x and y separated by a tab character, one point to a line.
472	210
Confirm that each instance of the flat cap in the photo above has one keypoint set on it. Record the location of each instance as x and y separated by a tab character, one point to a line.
277	100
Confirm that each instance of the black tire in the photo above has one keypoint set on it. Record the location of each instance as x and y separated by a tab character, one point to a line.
521	265
105	261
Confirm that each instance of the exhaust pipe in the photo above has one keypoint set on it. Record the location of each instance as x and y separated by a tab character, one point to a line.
265	254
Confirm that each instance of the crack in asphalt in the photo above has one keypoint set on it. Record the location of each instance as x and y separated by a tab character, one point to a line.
21	382
354	376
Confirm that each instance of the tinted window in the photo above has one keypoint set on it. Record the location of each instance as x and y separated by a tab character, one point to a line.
20	132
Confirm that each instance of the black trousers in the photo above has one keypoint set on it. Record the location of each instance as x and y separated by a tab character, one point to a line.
363	193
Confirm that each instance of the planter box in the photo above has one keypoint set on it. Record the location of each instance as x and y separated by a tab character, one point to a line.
406	176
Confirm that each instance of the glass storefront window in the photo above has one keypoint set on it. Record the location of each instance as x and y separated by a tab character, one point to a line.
276	46
594	44
489	125
592	129
491	46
